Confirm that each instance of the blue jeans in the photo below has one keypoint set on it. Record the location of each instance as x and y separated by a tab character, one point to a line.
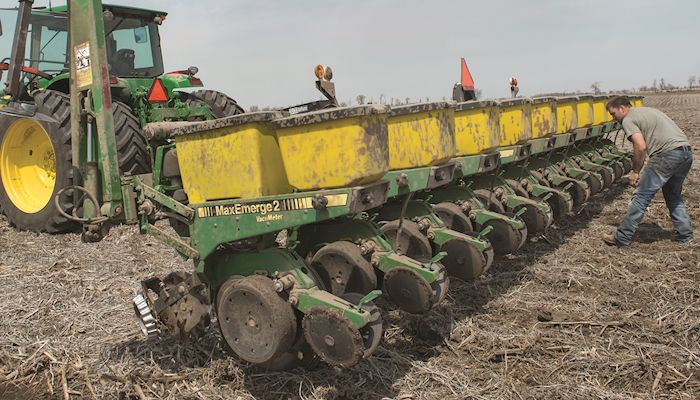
665	171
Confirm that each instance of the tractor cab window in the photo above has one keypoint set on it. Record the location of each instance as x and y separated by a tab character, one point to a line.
133	47
51	49
47	41
8	19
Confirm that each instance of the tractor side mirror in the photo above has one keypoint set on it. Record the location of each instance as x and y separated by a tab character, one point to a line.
140	35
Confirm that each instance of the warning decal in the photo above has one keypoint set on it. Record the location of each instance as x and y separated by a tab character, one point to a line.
82	65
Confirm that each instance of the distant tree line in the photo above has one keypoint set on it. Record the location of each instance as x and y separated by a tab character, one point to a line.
361	99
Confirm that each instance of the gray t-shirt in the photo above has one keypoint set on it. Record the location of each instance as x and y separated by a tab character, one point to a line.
659	131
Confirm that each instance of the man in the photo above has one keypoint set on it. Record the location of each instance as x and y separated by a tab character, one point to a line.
654	134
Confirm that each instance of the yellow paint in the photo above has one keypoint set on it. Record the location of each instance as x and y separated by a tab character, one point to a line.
584	112
338	153
515	123
421	139
600	114
544	119
476	130
28	166
233	162
566	115
608	116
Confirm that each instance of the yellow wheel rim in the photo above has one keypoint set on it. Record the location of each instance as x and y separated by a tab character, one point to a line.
28	165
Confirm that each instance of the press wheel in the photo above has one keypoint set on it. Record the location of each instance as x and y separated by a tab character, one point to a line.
453	217
412	243
256	323
342	269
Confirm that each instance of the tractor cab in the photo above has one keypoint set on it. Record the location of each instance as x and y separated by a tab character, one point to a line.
131	38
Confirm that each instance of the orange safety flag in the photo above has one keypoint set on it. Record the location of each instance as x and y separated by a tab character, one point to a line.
466	80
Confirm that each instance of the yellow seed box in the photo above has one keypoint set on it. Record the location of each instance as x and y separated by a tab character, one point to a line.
421	135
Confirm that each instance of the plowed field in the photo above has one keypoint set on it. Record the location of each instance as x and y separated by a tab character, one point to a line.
566	317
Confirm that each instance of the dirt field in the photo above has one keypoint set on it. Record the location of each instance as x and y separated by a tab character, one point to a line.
567	317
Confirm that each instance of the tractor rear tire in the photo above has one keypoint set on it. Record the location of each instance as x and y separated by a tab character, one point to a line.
18	198
132	149
221	105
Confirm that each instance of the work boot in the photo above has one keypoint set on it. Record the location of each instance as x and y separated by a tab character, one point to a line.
610	240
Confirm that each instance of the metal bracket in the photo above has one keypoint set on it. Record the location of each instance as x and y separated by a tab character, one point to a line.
180	245
164	200
369	297
485	231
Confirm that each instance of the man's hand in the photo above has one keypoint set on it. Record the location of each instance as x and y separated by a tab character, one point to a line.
634	178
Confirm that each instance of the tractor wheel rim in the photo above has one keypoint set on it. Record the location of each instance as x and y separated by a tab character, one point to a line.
28	164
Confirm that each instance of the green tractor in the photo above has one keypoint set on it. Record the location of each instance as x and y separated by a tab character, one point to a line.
36	160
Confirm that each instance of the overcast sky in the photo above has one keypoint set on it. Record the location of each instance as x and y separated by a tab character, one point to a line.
263	52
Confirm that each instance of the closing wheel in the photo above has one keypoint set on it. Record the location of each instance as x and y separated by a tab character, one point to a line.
411	292
373	332
626	164
535	219
300	355
441	284
578	192
463	260
489	200
453	217
559	205
607	175
333	337
595	182
342	269
504	237
522	233
412	242
618	169
256	323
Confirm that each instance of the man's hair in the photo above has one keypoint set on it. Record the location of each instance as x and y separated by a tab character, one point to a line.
617	102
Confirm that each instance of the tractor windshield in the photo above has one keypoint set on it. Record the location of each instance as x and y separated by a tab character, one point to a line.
132	42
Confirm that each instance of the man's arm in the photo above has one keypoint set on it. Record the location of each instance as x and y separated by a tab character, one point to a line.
639	155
